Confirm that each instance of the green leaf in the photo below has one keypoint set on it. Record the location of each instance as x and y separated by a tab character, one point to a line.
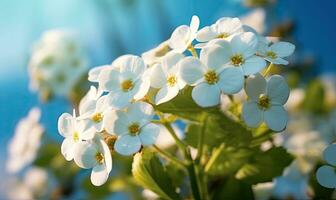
149	172
232	189
184	107
314	97
227	160
264	166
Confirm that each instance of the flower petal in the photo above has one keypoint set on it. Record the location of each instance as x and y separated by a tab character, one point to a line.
109	121
251	113
191	70
244	43
140	112
255	86
283	49
133	64
95	72
68	149
127	144
99	175
215	56
329	154
158	76
276	118
326	176
85	154
277	90
166	93
206	34
180	38
119	100
109	80
206	95
149	133
253	65
170	60
231	80
194	24
142	87
66	124
229	25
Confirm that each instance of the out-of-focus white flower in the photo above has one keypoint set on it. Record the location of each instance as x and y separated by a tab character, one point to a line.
36	179
133	128
127	81
24	145
184	35
295	99
74	131
210	75
255	19
154	55
292	184
94	154
276	52
263	191
18	190
266	102
149	195
223	28
329	82
57	62
164	139
92	109
166	77
326	174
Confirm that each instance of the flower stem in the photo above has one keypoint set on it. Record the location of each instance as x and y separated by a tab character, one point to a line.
268	69
201	140
193	51
169	157
194	181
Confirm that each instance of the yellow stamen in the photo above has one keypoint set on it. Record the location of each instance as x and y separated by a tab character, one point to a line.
171	80
223	35
271	54
75	136
127	85
134	128
264	101
99	158
211	77
237	60
97	117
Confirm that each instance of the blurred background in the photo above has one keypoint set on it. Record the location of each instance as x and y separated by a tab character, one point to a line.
110	28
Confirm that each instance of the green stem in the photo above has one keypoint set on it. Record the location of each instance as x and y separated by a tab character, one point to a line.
193	181
201	140
169	157
213	158
268	69
193	51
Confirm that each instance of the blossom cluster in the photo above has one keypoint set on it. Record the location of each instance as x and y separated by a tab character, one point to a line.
56	64
231	56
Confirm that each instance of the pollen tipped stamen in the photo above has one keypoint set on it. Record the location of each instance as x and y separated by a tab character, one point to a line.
127	85
134	129
237	60
271	54
223	35
99	158
75	136
211	77
171	81
98	117
264	102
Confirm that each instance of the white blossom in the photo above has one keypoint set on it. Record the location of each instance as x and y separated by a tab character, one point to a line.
156	54
276	52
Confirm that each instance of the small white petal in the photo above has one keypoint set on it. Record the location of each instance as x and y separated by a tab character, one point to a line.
149	133
179	39
121	124
277	90
170	60
252	115
68	148
229	25
166	93
140	112
326	176
127	144
109	80
110	118
255	86
119	100
191	70
99	175
206	95
215	56
158	76
95	72
206	34
143	87
133	64
244	43
329	154
253	65
194	24
85	154
231	80
66	124
282	49
276	118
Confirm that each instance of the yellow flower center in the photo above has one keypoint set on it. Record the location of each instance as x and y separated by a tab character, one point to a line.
75	136
99	158
171	80
162	51
237	60
223	35
127	85
264	101
211	77
271	54
134	128
48	60
98	117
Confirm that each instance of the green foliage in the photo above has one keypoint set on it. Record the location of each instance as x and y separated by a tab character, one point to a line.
232	189
314	97
264	166
149	172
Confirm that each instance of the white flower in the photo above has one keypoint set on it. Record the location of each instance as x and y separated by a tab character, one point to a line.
295	99
92	109
36	179
210	75
133	128
154	55
266	102
94	154
255	19
74	131
57	63
223	28
184	35
326	174
24	145
276	52
166	77
165	140
127	81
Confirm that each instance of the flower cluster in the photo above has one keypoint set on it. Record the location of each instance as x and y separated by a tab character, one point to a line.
56	64
231	56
